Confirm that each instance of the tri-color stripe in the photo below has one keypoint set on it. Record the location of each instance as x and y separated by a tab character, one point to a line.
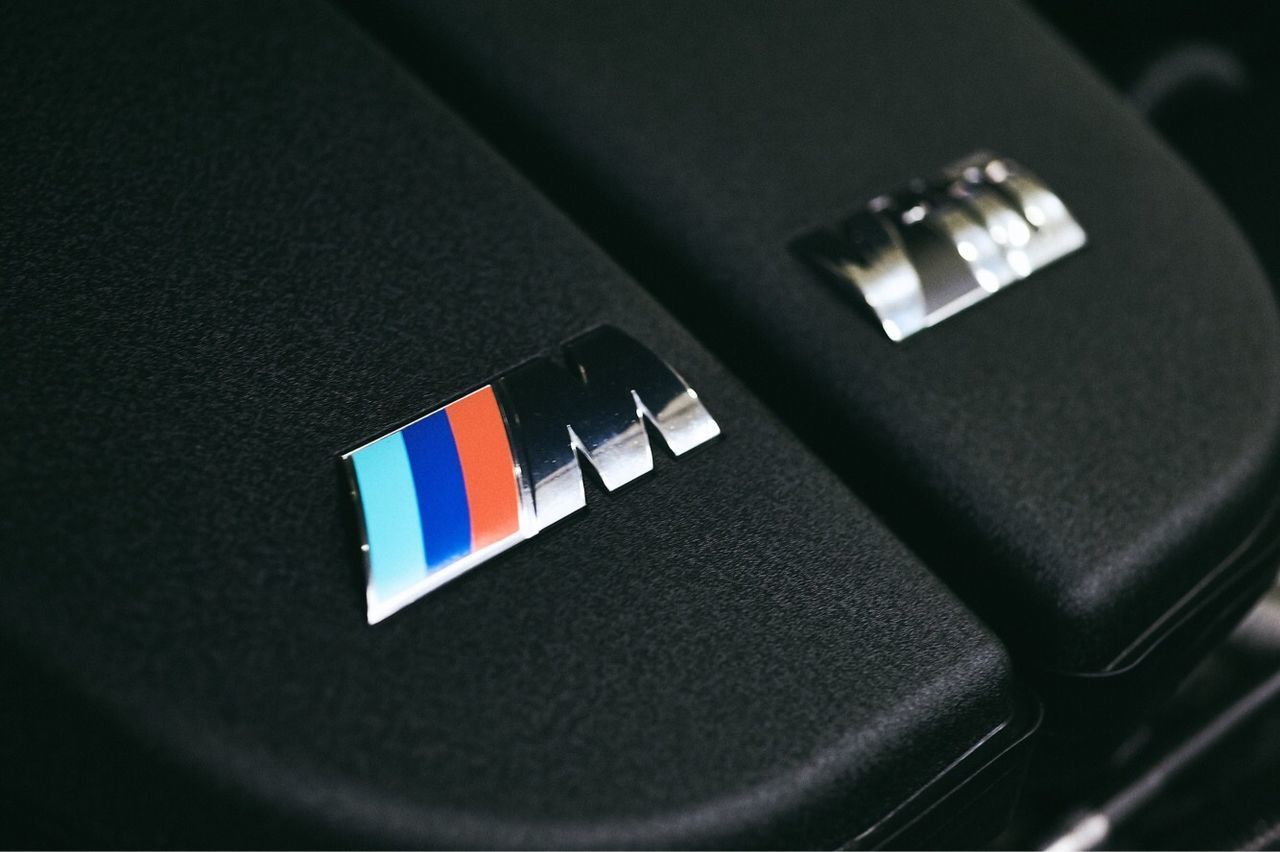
440	490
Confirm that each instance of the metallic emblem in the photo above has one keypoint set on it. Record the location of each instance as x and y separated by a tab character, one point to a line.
463	483
932	249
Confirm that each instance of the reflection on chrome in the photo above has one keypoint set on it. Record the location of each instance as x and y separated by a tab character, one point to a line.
926	252
596	407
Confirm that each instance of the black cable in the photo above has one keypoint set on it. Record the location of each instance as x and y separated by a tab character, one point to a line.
1092	830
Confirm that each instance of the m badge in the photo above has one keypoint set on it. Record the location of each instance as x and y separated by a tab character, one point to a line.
932	249
463	483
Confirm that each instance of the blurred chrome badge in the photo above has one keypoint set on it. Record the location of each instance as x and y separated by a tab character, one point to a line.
459	485
932	249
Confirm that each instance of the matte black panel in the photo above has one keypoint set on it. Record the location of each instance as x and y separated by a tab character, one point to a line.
1076	453
236	240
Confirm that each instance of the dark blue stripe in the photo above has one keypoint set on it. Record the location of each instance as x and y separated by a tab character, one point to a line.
442	493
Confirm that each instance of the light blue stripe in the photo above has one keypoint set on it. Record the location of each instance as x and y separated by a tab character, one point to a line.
389	503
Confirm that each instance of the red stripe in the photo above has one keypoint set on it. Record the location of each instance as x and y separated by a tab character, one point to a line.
487	467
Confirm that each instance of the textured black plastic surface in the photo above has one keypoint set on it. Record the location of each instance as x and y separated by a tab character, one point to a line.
1075	454
236	240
